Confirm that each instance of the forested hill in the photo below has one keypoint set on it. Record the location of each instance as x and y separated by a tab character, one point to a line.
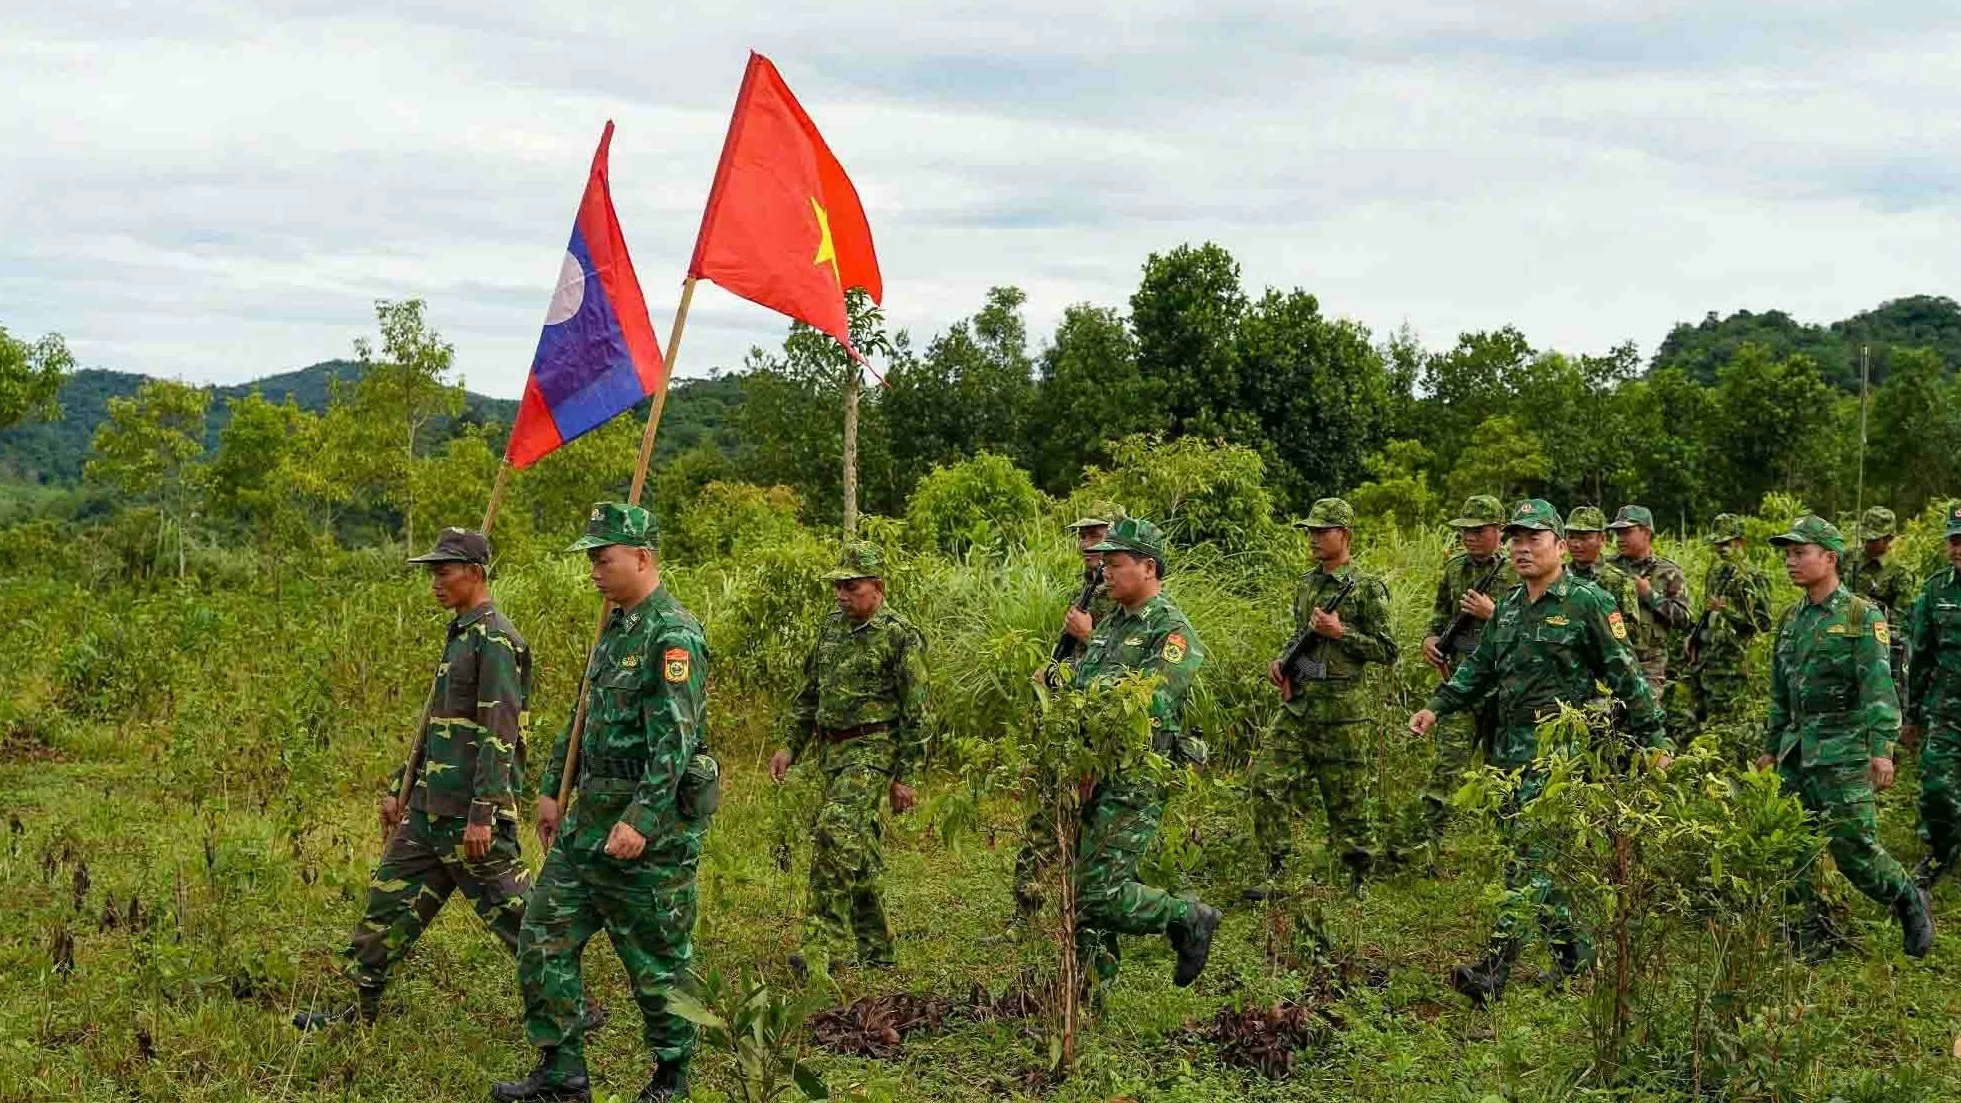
1918	321
54	452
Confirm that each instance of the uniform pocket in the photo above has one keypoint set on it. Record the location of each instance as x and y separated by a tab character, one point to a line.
700	792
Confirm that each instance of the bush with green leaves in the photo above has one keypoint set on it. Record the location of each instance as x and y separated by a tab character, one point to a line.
985	502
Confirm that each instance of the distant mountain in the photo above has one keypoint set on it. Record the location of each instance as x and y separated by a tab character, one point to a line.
1918	321
54	452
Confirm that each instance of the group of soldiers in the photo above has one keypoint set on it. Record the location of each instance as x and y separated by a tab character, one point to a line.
1528	617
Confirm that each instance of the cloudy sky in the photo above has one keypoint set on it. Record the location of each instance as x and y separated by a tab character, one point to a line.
216	190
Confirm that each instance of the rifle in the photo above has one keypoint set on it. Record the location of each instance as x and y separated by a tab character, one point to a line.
1703	633
1067	645
1447	642
1296	665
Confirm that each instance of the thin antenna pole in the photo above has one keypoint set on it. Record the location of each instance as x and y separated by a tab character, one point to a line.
1865	387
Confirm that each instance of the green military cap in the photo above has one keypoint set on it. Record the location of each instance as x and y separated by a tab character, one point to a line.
1876	524
1812	529
454	545
1136	536
1725	528
1330	513
1536	513
1586	519
857	560
1954	518
1631	516
1479	510
1101	515
618	523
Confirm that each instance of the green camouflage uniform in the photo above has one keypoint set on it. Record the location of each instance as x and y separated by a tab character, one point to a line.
1665	610
1535	656
1832	709
642	762
1457	738
862	706
1887	584
1318	741
1121	818
1933	702
1719	646
471	771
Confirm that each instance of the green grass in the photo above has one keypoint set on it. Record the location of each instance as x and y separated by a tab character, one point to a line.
217	758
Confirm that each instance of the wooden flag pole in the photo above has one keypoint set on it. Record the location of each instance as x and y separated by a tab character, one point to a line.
414	762
647	437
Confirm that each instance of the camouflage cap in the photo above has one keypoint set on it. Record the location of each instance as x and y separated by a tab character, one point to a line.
1136	536
1954	518
1586	519
1812	529
1330	513
1631	516
454	545
1725	528
1877	523
618	523
857	559
1536	513
1101	515
1479	510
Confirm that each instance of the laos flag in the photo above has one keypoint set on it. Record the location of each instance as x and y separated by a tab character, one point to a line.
597	356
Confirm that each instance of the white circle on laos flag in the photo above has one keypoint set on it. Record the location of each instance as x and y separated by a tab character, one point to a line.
570	294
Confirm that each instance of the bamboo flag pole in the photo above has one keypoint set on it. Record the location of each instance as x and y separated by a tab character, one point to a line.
414	763
647	437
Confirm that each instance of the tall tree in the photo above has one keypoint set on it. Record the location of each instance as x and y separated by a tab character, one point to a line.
1185	314
1091	392
400	393
1915	420
1313	392
971	392
1774	416
31	375
147	448
257	480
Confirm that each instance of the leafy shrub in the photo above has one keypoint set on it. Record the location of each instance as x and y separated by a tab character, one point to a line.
1199	492
984	502
727	515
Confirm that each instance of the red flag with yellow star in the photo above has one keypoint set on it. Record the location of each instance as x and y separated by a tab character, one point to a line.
783	226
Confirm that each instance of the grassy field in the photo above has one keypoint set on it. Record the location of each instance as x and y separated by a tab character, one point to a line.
190	775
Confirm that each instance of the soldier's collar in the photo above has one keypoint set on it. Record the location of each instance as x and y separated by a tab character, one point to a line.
1342	572
464	620
643	608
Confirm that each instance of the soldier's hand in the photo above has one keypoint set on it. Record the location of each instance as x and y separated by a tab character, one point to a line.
547	821
1644	586
1327	624
1422	722
1882	773
391	812
902	797
476	841
1714	602
1077	624
1663	762
1273	674
779	764
624	842
1764	761
1433	654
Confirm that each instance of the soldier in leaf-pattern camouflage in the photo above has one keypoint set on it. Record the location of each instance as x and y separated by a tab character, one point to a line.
1586	530
1833	719
1319	739
1886	583
460	828
1735	611
625	856
1933	707
1661	609
862	708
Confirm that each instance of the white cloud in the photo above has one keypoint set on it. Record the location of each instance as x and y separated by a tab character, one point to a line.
221	190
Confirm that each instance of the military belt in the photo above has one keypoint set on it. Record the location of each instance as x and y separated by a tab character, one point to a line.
625	767
846	735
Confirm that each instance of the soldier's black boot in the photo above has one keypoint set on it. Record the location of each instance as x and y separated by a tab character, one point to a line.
1269	889
366	1008
669	1085
1570	958
1929	872
1916	914
1483	981
547	1084
1191	938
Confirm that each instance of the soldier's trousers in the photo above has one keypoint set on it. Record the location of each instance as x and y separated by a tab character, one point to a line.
1120	825
1456	738
1719	691
1531	897
1842	798
1940	789
846	859
1299	757
645	905
421	866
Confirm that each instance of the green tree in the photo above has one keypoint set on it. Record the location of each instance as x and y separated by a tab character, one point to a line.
1774	416
31	375
385	422
1397	491
971	392
1915	420
1463	387
985	502
1668	422
148	447
1505	458
1316	394
1185	314
257	482
1091	392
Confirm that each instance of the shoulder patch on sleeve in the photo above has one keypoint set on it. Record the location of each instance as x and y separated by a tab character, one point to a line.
1174	648
1616	625
1882	633
675	664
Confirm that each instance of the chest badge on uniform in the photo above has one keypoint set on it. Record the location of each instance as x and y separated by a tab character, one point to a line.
1134	641
1617	625
1835	630
1883	634
630	662
1557	621
675	664
1174	648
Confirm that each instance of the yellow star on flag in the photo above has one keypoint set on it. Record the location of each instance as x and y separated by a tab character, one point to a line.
826	251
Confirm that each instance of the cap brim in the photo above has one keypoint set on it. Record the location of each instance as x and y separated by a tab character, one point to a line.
586	543
846	576
1529	526
1470	523
1787	539
440	557
1090	523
